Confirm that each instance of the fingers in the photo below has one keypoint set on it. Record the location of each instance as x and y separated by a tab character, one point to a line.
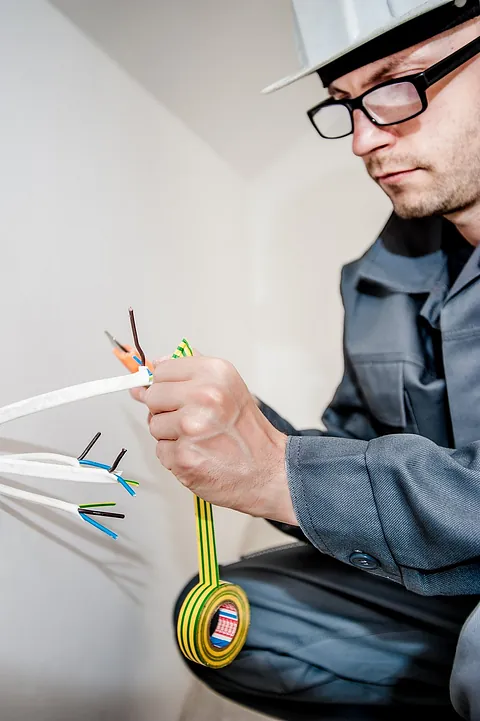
138	394
174	369
186	368
166	396
156	362
165	426
165	453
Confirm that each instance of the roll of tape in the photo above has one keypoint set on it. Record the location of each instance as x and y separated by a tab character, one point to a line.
214	618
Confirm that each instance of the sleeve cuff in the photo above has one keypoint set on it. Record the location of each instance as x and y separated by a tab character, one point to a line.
334	503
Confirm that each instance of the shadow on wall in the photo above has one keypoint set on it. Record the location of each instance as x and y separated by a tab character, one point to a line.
55	703
118	570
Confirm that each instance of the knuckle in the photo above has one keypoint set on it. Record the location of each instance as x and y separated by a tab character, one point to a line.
186	424
220	368
192	424
211	395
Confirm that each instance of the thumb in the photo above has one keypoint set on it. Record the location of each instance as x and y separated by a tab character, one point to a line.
157	361
138	394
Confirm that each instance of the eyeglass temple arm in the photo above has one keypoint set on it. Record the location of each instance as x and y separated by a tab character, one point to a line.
452	62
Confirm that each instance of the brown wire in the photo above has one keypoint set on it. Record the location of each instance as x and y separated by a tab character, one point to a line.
135	336
117	460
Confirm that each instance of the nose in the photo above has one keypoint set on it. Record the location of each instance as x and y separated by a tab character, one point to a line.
367	136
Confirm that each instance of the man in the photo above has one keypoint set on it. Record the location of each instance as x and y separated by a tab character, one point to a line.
363	618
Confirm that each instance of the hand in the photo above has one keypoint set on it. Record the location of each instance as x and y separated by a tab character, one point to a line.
211	434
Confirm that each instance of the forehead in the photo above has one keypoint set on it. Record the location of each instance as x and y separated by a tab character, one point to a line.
420	55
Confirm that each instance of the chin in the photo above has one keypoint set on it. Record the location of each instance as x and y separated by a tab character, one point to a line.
412	210
413	205
408	212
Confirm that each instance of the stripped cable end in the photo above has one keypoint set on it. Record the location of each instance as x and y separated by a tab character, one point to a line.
92	509
125	484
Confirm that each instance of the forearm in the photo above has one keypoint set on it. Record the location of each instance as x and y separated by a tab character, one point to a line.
401	499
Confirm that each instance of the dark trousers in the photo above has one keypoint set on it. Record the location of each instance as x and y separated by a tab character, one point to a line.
329	641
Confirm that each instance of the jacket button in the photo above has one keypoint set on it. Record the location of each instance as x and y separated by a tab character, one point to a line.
363	560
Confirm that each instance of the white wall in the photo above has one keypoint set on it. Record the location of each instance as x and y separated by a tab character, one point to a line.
310	213
106	200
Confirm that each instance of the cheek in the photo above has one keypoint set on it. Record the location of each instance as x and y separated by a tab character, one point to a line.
427	139
453	108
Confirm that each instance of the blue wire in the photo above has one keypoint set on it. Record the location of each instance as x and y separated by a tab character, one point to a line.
95	464
137	359
98	525
125	485
119	478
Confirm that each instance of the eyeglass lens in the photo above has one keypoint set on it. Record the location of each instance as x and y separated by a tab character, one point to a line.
386	105
393	103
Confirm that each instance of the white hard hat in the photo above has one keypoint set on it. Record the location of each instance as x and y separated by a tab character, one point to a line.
327	31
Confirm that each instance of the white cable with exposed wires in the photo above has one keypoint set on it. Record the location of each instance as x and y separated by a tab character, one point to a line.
39	469
60	397
58	467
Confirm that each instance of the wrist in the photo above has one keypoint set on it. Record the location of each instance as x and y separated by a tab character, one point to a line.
278	504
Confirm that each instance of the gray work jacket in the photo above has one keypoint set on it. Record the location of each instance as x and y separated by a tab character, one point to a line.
393	484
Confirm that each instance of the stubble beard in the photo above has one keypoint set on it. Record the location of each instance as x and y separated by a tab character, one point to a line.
449	186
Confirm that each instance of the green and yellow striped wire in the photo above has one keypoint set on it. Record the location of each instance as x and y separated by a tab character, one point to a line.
214	618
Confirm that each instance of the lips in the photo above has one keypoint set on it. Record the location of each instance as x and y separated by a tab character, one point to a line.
395	175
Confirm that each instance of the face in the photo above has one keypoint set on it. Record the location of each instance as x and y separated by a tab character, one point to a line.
429	165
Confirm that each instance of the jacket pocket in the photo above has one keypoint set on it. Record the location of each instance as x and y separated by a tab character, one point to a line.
382	386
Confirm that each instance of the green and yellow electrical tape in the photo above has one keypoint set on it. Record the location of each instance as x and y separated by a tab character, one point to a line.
214	618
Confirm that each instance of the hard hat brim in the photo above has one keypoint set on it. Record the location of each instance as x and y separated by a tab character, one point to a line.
395	24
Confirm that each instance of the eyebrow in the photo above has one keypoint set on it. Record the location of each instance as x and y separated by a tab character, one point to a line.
385	69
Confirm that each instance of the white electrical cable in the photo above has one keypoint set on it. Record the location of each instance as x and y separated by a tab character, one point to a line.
59	397
36	498
37	469
52	457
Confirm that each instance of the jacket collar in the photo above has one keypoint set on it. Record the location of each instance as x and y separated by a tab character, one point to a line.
469	273
406	257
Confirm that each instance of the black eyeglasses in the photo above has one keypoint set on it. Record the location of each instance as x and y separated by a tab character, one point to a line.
391	102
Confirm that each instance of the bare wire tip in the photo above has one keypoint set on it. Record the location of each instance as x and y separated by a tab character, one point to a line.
117	460
135	336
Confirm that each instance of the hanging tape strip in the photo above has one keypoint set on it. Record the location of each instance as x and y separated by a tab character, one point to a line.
214	618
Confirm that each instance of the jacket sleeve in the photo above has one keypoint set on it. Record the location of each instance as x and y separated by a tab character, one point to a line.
406	507
402	501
